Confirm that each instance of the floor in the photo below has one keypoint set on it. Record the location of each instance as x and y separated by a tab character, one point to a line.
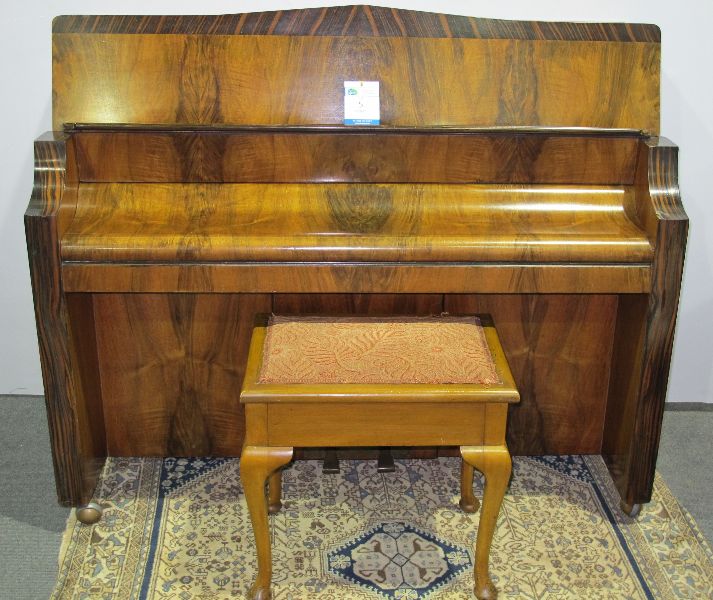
31	523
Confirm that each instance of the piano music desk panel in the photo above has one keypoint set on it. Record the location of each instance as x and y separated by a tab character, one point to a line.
200	174
425	82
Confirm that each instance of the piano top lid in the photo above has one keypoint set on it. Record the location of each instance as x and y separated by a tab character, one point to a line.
357	20
287	68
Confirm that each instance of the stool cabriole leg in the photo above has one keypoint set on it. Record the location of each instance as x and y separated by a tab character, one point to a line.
257	464
468	502
274	487
495	464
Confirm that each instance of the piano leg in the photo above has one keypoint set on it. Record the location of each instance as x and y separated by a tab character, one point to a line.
257	464
495	464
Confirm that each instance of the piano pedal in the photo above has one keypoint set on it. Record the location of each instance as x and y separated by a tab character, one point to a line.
331	462
385	463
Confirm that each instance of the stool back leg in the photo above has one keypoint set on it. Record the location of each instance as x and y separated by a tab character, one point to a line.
274	486
495	464
468	502
257	463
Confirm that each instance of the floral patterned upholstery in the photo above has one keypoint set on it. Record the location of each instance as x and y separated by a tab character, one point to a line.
400	350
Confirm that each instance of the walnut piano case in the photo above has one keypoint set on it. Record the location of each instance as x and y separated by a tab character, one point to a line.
199	174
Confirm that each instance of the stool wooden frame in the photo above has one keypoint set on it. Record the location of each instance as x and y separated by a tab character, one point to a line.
282	416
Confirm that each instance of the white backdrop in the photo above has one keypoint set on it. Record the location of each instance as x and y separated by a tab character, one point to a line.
686	118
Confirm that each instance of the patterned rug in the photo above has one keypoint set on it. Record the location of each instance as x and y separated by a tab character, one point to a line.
179	529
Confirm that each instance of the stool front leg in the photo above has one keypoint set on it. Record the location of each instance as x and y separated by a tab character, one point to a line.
257	463
495	464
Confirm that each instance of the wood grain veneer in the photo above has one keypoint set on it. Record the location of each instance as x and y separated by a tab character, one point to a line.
66	346
350	157
199	79
408	223
358	304
357	277
171	368
558	347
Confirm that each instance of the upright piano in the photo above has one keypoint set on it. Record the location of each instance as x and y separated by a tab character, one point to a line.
200	172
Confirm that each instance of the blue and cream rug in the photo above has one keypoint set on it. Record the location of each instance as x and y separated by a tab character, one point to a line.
179	529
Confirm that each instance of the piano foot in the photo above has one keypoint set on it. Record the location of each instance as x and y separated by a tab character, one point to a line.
88	514
632	510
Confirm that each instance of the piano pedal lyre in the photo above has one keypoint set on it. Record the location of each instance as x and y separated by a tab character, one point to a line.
385	463
331	462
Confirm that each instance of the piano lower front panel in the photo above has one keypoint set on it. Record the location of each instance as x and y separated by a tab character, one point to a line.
171	365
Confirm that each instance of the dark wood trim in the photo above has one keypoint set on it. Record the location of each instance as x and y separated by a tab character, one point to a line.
645	330
50	311
178	128
89	404
75	463
49	171
667	271
357	20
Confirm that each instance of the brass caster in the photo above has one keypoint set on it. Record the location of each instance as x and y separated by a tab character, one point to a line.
89	513
632	510
468	506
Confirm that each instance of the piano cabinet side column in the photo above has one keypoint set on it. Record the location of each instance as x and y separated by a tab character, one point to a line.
65	331
644	331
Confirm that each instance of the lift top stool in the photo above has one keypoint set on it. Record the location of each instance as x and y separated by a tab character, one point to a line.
393	381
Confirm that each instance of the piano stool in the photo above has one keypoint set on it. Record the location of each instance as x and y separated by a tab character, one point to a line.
393	381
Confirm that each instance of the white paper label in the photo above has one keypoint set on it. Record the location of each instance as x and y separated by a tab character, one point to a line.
361	103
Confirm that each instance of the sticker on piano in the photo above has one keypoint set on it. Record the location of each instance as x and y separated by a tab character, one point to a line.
361	103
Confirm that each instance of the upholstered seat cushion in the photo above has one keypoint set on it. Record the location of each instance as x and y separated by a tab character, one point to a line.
431	350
